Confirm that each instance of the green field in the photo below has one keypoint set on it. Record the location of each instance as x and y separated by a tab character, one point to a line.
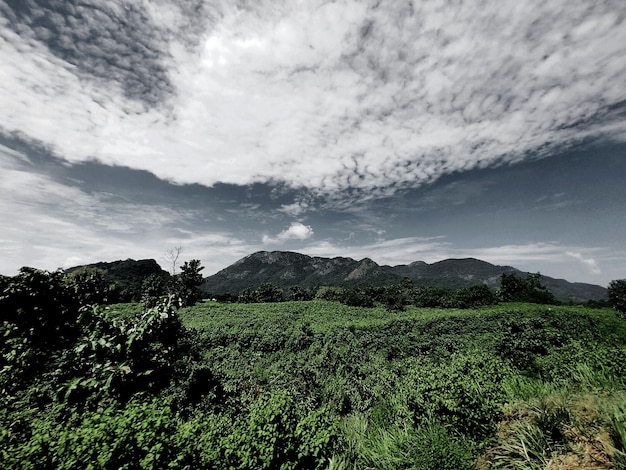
319	384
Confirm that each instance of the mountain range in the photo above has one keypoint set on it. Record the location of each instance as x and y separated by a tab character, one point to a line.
285	269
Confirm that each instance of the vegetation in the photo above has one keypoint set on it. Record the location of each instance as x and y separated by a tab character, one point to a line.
617	295
306	383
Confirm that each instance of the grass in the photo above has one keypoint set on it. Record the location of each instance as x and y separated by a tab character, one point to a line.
560	407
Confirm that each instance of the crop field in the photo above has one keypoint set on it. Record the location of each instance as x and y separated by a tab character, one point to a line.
318	384
508	386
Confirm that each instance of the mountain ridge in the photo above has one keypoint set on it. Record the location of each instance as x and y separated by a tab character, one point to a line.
287	268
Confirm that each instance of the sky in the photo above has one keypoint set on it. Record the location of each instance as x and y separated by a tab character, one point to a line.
394	130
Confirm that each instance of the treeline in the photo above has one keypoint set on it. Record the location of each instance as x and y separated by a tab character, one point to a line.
398	296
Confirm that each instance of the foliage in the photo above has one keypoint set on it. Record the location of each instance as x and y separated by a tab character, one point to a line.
153	288
530	289
617	295
398	296
247	296
185	285
475	296
300	293
304	384
357	298
332	294
426	297
266	292
39	321
117	356
88	286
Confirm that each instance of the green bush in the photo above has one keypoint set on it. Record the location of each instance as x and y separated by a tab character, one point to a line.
137	436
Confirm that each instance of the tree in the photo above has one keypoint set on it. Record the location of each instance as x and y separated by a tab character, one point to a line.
268	292
299	293
617	295
332	294
186	283
247	296
517	289
88	285
171	258
357	297
153	288
475	296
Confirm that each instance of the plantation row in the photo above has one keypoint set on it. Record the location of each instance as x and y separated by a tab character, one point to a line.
305	384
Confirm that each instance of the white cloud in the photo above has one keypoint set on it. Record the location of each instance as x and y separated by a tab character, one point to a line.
296	231
51	225
549	258
590	263
330	96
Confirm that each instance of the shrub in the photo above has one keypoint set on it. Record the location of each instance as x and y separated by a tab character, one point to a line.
117	356
88	286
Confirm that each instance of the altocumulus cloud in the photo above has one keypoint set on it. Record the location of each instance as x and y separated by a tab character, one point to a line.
325	96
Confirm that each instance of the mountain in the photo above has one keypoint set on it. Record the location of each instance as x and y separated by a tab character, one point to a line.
127	274
285	269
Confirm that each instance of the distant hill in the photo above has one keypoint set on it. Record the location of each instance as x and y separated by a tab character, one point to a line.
285	269
128	274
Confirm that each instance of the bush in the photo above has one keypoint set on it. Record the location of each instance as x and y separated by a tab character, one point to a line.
118	357
39	321
137	436
88	286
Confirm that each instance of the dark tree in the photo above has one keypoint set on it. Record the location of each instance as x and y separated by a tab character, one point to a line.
617	295
186	283
88	286
299	293
530	289
268	292
152	289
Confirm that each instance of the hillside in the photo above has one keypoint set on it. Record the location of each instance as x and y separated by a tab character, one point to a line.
286	269
127	274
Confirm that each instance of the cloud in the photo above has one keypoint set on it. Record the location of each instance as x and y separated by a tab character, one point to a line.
346	98
50	224
550	258
296	231
589	263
